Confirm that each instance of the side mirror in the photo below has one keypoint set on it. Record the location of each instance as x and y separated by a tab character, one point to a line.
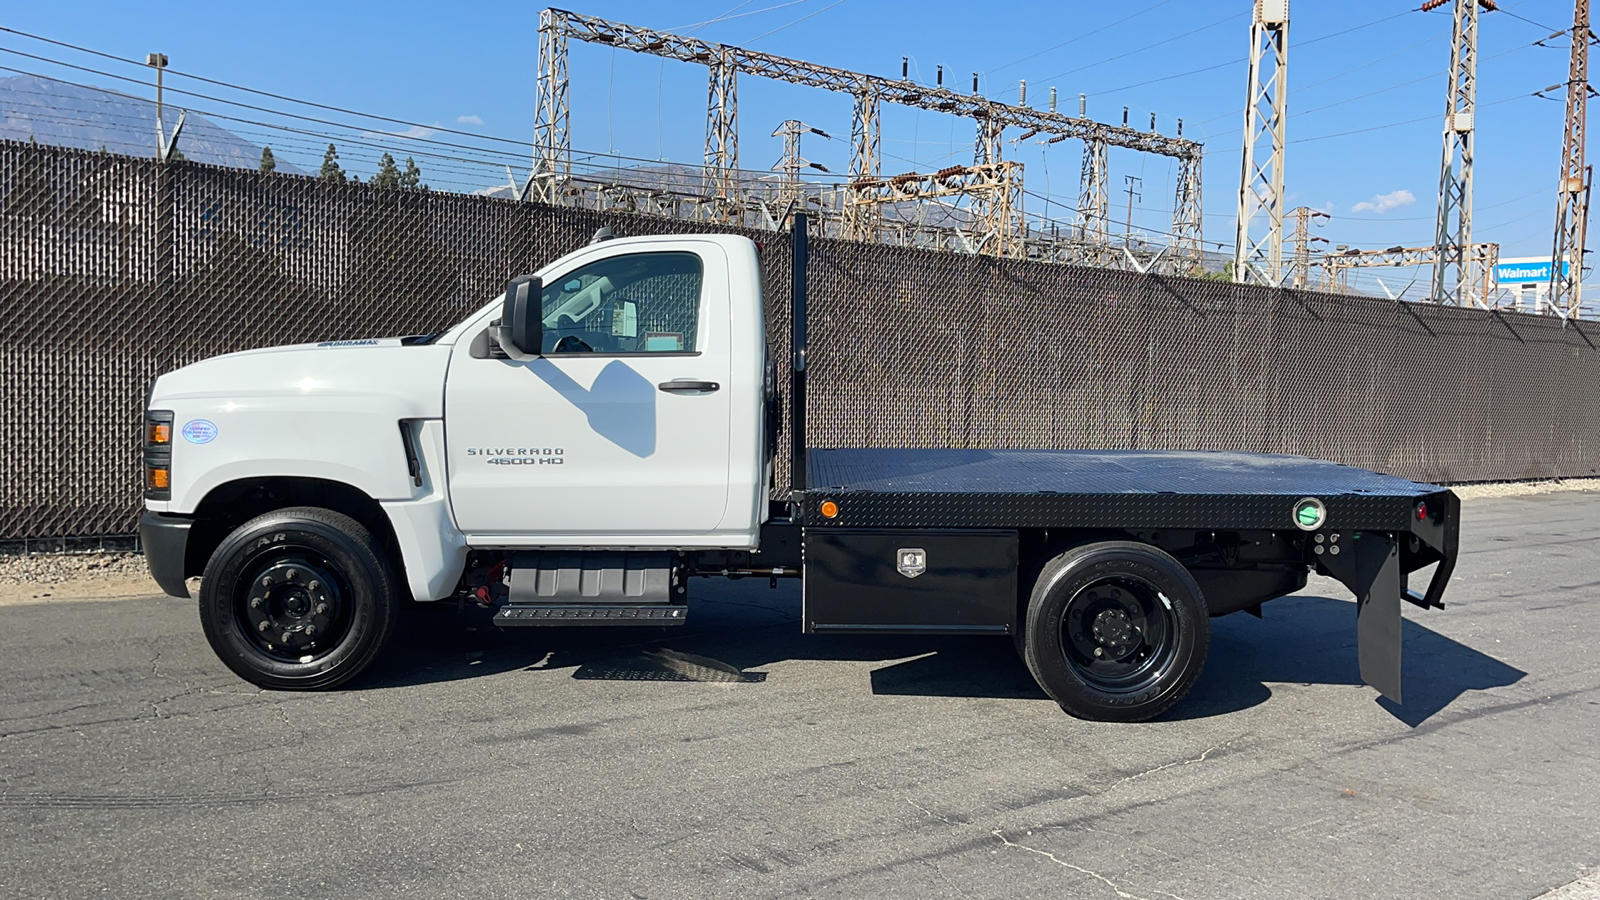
520	333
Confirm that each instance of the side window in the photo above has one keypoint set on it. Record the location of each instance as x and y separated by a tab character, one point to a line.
639	303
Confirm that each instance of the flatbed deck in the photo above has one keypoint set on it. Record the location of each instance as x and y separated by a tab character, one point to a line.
875	488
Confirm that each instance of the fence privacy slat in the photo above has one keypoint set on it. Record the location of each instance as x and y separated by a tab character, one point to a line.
115	269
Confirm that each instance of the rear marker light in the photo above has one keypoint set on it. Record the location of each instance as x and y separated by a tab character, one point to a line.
1422	512
829	509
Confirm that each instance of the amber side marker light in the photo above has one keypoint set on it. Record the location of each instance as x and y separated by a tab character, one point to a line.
829	509
158	432
158	478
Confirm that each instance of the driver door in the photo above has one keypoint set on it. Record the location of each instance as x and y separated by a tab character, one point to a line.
618	433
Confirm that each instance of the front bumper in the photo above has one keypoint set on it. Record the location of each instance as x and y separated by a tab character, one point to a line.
166	541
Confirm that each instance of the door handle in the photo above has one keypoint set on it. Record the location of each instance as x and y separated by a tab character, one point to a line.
688	386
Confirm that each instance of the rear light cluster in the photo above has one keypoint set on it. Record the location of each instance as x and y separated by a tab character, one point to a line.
158	454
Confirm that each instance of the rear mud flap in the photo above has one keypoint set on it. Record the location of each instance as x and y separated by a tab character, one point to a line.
1369	565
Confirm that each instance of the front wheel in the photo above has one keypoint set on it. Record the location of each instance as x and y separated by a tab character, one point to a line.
1116	631
298	599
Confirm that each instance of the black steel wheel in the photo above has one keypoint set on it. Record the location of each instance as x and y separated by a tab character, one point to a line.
1116	631
298	599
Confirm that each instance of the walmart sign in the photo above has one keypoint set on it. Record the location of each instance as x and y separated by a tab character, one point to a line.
1525	271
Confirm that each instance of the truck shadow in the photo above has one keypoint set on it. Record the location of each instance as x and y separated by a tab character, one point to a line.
737	630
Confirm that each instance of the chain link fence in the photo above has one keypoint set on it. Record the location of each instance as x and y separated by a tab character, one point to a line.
115	269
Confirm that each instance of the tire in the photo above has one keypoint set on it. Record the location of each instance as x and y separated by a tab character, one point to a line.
1116	631
298	599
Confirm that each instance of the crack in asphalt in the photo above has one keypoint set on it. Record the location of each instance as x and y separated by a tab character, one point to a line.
1080	869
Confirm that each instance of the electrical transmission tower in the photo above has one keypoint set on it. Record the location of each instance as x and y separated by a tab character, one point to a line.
1452	269
792	161
1261	181
1572	192
552	113
1300	271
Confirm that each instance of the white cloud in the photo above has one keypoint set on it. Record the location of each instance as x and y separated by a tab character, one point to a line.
1382	203
468	120
415	131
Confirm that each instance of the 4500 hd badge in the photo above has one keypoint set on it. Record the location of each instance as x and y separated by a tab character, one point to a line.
519	456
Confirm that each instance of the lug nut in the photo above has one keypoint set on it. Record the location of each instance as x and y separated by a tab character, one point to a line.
263	626
266	581
312	585
292	574
255	602
322	609
310	630
286	637
1099	652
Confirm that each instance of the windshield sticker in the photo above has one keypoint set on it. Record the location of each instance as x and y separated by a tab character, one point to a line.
199	431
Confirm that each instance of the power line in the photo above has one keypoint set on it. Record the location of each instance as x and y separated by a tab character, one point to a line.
237	87
1080	37
794	23
1241	60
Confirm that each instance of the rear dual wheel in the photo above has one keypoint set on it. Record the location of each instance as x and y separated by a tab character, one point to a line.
1115	631
298	599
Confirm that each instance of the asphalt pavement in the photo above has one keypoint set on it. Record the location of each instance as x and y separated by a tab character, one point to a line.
736	757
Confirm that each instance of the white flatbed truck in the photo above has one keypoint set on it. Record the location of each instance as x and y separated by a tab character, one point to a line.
573	452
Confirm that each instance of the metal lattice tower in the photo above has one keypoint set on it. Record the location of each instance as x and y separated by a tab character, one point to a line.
1452	278
995	190
792	162
1300	270
1186	218
552	114
722	138
1094	204
1480	260
861	222
1261	181
1572	192
557	27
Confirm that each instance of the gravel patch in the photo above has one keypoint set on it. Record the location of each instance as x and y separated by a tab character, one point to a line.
1524	488
58	568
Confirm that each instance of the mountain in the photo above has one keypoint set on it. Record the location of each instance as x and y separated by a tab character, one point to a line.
53	112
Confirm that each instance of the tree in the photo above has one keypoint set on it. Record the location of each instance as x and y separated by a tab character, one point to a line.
412	176
268	161
177	156
388	173
330	167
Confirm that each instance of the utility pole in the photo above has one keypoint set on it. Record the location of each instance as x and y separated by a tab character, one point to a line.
1572	191
1453	234
1130	181
1304	216
1261	181
158	61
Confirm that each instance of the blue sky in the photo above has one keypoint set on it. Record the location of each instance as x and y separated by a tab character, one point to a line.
1354	66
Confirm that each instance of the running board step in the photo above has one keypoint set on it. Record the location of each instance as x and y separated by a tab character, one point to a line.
591	614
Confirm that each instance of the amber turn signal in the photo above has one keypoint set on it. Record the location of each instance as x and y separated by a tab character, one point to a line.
158	478
158	433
